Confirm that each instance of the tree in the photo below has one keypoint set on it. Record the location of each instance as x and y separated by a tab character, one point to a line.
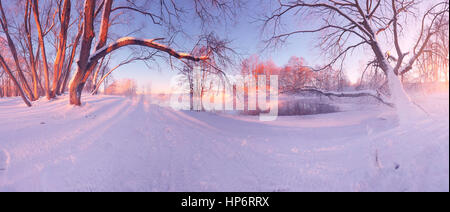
199	75
88	61
75	44
348	25
433	63
56	21
29	46
295	75
64	17
35	4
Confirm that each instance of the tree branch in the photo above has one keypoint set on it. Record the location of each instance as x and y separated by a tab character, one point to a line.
365	93
129	41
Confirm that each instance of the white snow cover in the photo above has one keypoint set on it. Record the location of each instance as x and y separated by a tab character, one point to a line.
120	144
123	39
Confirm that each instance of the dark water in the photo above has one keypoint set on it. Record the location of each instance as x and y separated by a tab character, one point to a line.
301	107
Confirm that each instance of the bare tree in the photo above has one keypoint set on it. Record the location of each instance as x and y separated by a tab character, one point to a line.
42	46
221	57
64	17
348	25
32	61
433	63
24	84
29	45
295	75
87	61
75	44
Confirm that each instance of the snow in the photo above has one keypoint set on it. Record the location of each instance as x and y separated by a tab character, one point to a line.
406	110
121	144
120	40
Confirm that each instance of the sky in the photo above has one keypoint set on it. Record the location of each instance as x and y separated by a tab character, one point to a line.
245	33
247	39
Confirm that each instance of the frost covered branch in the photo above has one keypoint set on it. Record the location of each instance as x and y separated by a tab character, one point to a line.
349	94
130	41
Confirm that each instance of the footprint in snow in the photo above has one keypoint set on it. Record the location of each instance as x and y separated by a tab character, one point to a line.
4	160
90	116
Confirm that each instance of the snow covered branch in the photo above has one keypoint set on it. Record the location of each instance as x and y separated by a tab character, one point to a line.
130	41
350	94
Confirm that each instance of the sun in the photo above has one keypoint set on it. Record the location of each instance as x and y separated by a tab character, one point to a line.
353	78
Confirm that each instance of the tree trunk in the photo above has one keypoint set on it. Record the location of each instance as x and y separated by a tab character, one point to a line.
42	47
60	55
95	78
399	96
87	63
29	44
71	59
407	111
77	83
191	89
103	37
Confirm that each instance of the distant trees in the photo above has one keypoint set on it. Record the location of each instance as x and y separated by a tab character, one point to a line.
433	63
296	75
124	87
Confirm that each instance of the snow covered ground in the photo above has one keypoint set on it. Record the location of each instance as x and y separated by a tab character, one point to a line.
120	144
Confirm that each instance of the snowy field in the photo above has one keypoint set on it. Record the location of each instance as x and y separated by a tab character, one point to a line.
120	144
